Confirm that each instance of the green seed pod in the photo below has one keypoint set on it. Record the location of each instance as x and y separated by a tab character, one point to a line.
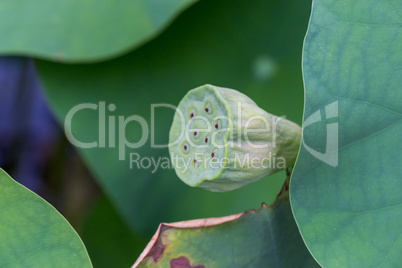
221	140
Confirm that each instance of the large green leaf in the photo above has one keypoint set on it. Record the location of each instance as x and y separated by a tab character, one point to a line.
82	30
267	237
33	233
251	54
349	210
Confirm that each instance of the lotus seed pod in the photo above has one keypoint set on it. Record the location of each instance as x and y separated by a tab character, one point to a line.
221	140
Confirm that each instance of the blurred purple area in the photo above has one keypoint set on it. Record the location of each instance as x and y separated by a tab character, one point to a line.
28	131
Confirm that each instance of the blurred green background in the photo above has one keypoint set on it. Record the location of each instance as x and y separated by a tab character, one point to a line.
254	47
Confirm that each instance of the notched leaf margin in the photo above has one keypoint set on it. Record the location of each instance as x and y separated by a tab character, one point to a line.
155	247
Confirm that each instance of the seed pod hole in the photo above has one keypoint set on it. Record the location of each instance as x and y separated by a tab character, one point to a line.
208	108
213	154
218	124
196	133
185	148
192	113
196	162
207	140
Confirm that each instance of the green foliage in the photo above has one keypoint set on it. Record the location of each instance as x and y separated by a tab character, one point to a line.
33	233
109	241
350	215
267	237
348	211
82	30
221	50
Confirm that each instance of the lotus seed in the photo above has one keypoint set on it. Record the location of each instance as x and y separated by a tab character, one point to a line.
208	108
196	162
218	124
186	148
192	113
196	134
